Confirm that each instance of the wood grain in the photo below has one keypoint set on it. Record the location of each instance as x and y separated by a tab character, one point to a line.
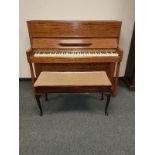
74	28
74	43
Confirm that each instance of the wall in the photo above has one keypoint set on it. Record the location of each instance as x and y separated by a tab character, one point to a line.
75	10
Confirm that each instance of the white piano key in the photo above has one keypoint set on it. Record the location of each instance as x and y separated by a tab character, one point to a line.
74	53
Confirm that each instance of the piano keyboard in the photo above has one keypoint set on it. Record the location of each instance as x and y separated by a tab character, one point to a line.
74	53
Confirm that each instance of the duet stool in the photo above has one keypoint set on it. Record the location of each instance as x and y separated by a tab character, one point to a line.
72	82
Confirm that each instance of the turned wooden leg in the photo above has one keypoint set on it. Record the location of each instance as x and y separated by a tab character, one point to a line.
46	97
107	104
39	104
102	98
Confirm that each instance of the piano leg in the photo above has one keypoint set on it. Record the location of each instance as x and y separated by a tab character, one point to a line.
102	98
39	104
107	103
116	80
46	97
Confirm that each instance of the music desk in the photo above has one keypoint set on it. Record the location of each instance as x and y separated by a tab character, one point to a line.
72	82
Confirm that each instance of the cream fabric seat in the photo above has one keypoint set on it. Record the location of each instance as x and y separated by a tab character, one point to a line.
96	78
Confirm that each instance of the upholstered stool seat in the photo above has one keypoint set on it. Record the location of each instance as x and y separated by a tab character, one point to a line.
72	79
72	82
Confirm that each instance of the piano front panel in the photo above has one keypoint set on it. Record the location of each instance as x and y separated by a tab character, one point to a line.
109	67
74	43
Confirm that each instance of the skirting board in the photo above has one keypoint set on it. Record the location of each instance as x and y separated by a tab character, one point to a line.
24	79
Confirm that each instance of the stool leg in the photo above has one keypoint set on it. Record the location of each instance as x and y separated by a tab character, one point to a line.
46	97
39	104
102	98
107	104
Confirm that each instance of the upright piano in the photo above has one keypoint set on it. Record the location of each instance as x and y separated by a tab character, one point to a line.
75	46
